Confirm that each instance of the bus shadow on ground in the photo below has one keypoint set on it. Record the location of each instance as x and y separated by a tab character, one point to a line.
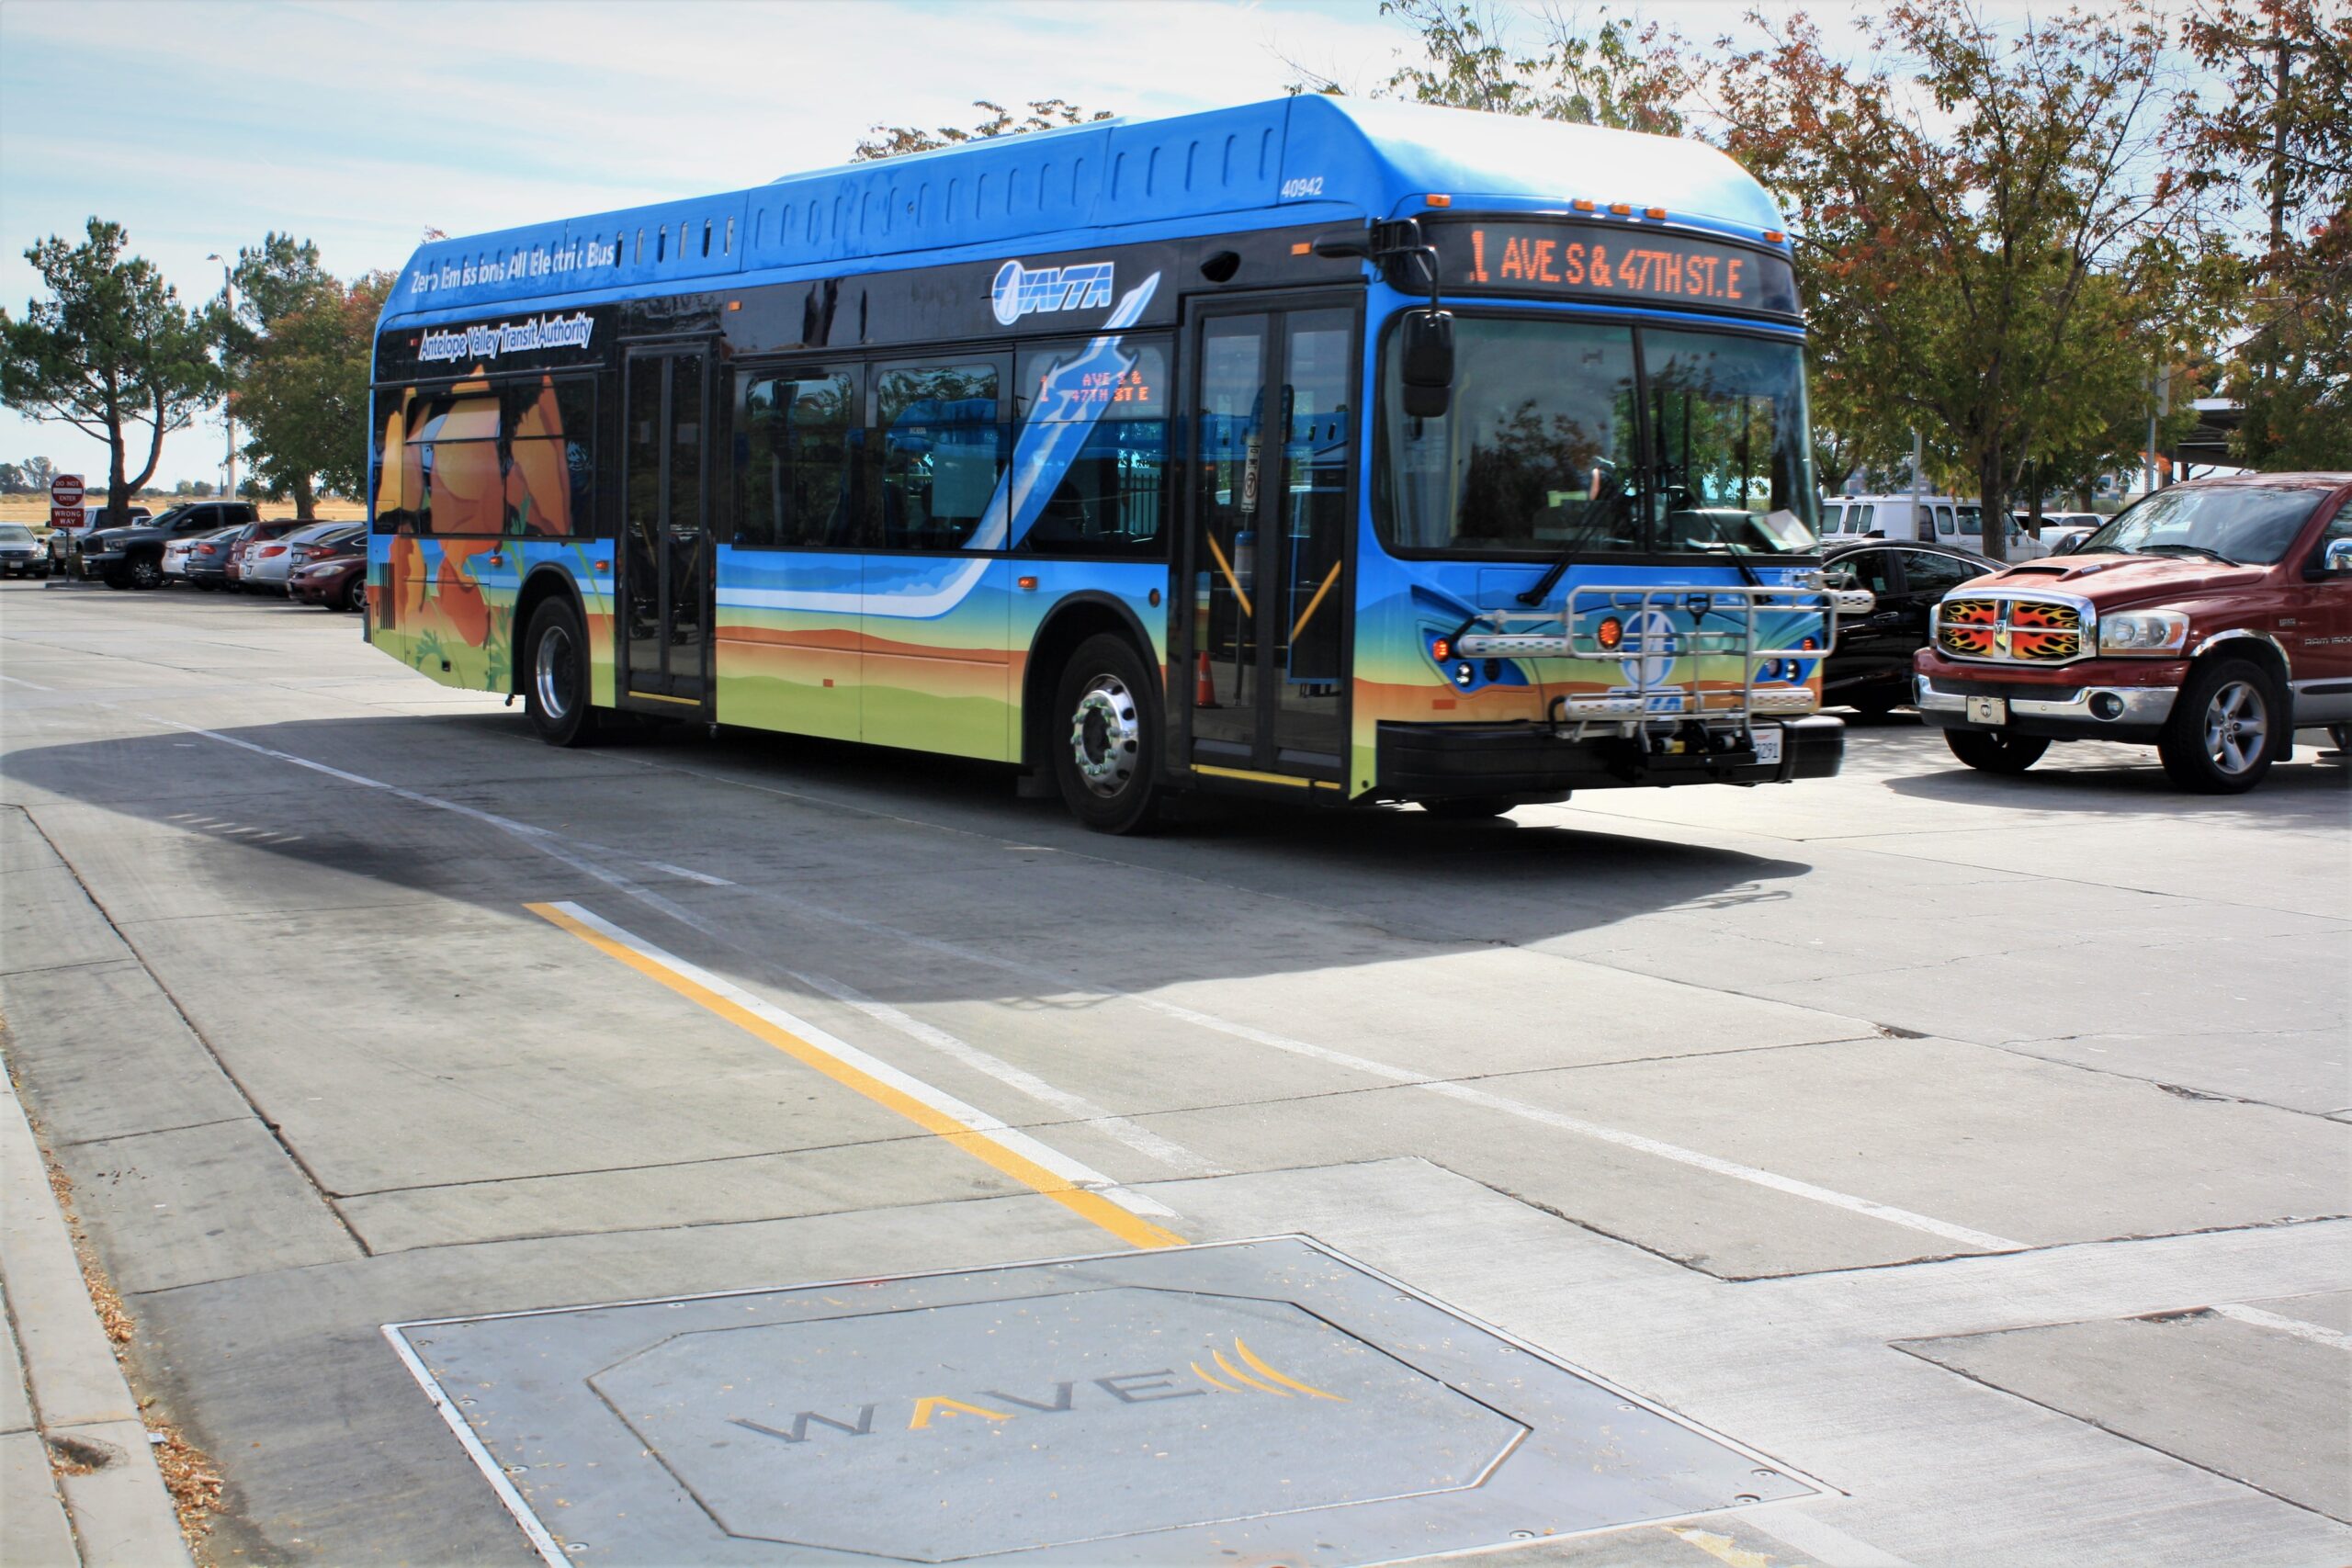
1390	874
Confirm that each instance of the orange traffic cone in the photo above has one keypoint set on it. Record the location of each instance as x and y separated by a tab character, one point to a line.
1205	688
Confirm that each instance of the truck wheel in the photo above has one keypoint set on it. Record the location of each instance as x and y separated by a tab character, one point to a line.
1468	807
2226	728
1104	737
555	675
146	571
1993	753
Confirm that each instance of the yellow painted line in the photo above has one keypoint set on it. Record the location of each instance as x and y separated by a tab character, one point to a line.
1221	1388
1722	1547
1237	1375
1231	581
1012	1153
1253	778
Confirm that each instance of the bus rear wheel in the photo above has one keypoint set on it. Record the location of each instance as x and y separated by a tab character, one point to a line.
555	675
1106	737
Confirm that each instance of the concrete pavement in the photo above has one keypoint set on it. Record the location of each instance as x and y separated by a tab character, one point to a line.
1922	1130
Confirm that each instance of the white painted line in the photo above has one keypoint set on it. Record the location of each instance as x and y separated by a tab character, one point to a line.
554	845
1075	1172
1143	1140
2294	1325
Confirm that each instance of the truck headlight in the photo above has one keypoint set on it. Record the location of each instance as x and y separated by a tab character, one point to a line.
2143	632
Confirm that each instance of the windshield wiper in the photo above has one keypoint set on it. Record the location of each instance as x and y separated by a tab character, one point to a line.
2197	549
1603	509
1740	556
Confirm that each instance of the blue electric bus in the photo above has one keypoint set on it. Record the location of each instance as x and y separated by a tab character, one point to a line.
1318	450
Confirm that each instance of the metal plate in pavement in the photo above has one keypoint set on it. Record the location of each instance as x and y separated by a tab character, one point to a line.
1246	1402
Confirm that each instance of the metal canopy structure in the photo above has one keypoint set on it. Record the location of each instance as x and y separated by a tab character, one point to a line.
1254	1402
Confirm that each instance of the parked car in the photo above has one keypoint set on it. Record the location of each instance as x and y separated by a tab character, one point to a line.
20	553
242	548
267	566
2210	620
94	519
1869	667
133	556
177	554
338	581
1933	519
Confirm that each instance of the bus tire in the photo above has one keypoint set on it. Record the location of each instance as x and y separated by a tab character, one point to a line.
555	675
1104	736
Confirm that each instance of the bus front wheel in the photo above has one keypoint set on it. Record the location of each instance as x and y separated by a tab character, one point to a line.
555	675
1106	737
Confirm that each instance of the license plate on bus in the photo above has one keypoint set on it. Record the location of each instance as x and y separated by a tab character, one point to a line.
1988	710
1767	743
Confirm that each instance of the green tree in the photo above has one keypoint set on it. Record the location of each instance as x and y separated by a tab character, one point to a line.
13	480
1951	221
275	283
1045	114
303	391
1618	74
2277	145
111	350
39	471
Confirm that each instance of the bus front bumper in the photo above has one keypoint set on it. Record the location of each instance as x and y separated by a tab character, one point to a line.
1429	761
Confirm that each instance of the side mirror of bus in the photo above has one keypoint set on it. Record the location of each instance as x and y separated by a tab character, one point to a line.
1425	363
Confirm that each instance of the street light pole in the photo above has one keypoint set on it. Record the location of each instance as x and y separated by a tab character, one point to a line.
228	415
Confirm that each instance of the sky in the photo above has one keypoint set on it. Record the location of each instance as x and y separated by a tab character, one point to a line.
200	125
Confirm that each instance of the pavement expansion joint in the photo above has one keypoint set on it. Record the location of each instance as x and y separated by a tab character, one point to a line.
1270	1399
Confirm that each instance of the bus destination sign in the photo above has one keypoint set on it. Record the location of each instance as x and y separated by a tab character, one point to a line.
1612	262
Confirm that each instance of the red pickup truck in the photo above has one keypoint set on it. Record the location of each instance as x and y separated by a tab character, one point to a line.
2211	620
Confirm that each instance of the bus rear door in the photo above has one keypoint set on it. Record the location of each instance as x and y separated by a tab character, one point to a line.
665	556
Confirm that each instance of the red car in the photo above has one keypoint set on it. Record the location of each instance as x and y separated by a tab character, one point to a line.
338	581
256	535
2211	620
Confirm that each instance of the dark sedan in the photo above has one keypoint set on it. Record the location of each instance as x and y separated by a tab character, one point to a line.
1871	669
338	581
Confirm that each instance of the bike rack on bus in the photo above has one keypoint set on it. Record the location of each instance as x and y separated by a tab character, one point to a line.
1632	606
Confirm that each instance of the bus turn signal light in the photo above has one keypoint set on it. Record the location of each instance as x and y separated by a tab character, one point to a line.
1611	632
1436	200
1774	235
1440	651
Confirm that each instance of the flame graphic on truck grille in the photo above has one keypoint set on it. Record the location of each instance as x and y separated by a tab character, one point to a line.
2025	631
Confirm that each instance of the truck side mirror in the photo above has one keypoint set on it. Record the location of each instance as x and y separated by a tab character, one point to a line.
1425	362
2335	560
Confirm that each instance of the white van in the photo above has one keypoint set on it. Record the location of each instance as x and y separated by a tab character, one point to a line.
1937	519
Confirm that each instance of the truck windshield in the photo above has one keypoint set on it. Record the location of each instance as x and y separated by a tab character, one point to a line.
2250	524
1549	418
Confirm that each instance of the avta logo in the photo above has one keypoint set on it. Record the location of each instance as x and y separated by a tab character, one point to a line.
1021	291
1245	1373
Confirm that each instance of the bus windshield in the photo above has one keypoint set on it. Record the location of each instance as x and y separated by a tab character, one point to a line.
1547	444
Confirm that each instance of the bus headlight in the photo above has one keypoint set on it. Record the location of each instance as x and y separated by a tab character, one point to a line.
2143	632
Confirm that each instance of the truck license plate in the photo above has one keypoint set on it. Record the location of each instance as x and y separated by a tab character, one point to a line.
1988	710
1768	742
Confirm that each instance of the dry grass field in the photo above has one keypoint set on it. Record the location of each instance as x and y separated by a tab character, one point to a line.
34	509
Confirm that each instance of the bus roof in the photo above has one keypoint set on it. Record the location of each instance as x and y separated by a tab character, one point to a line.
1304	159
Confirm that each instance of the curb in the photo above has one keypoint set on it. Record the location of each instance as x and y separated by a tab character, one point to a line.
120	1511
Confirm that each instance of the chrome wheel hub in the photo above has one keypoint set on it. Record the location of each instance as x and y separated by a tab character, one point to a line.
552	675
1107	735
2237	728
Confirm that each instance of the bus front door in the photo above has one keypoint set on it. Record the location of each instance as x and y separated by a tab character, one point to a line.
1268	545
665	563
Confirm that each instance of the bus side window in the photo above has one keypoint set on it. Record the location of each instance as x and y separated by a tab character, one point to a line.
1090	458
941	451
794	481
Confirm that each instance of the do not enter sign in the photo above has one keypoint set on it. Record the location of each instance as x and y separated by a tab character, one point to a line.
66	490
